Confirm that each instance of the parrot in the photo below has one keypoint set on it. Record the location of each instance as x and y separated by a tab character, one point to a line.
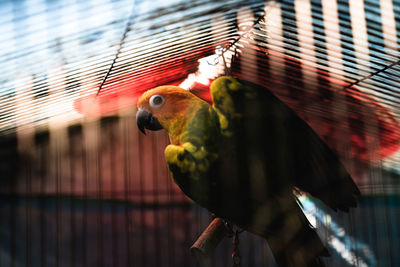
244	157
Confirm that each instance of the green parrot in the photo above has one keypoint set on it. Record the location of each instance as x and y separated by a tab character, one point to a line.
243	157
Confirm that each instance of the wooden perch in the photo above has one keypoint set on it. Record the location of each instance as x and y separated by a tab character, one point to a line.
209	239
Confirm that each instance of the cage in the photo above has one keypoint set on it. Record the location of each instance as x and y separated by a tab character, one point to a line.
81	186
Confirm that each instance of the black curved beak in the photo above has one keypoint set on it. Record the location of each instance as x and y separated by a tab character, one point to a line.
146	120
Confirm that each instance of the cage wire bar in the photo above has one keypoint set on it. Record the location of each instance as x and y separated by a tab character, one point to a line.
81	187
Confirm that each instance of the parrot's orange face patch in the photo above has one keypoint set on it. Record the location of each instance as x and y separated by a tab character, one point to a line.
168	104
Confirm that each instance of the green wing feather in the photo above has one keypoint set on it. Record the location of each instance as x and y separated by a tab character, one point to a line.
296	152
190	160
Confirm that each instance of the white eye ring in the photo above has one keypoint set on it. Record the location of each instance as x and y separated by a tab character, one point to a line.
156	101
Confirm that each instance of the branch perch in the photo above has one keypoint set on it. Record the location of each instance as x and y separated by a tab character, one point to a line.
209	239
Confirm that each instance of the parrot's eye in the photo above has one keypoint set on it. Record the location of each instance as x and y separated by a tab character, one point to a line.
156	101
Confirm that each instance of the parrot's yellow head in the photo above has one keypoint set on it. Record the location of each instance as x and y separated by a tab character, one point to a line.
166	107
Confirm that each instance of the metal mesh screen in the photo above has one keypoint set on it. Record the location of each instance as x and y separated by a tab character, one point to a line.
81	187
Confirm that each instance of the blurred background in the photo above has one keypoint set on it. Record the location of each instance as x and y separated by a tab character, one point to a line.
79	186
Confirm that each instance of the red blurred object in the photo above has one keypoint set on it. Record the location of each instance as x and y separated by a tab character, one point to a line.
115	97
123	91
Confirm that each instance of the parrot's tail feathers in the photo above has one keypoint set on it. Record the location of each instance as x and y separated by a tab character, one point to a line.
304	249
293	241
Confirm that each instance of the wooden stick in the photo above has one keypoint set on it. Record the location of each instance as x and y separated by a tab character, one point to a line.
209	239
